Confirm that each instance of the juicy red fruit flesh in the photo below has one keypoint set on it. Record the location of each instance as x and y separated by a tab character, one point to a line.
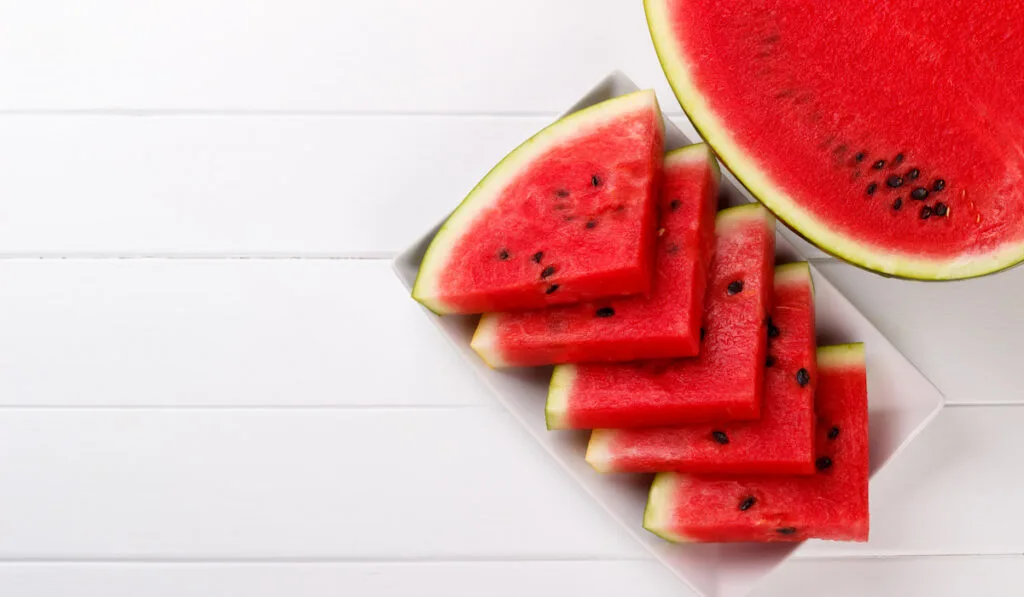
588	207
724	381
664	324
780	442
882	109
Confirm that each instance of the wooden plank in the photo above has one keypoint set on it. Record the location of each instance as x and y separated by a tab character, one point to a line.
383	56
216	333
240	185
964	336
430	579
243	484
410	484
953	576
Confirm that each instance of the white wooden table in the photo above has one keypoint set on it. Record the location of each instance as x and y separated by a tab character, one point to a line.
212	384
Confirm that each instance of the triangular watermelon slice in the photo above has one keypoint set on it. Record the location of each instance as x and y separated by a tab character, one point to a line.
781	442
568	216
723	383
663	325
831	504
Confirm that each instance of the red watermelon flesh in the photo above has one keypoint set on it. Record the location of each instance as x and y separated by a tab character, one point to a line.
568	216
780	443
723	382
665	324
830	504
888	133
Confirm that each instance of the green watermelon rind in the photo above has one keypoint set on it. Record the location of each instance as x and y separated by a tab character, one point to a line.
794	273
489	188
557	406
660	508
484	337
599	453
838	356
871	257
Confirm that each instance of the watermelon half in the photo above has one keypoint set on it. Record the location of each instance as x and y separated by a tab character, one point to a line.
830	504
664	324
781	442
890	134
568	216
724	382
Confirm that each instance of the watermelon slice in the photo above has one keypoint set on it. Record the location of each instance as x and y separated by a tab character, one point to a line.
888	133
568	216
780	443
665	324
831	504
723	382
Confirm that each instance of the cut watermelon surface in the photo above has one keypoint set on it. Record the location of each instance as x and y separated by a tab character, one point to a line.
724	382
664	324
568	216
888	133
830	504
781	442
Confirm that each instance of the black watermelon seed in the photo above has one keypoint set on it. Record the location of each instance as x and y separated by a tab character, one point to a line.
878	165
547	271
926	212
803	377
768	362
938	185
871	188
747	503
833	433
898	203
702	334
503	254
940	209
920	193
913	174
735	287
551	289
562	193
823	463
675	204
786	531
594	180
773	330
604	312
538	256
860	156
898	158
720	437
894	181
591	224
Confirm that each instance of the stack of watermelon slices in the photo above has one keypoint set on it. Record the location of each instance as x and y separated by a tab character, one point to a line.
674	335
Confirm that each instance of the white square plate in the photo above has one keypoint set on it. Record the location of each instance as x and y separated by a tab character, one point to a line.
901	402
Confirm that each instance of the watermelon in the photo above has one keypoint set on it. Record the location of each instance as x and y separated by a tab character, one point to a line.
723	382
780	443
568	216
888	133
665	324
830	504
